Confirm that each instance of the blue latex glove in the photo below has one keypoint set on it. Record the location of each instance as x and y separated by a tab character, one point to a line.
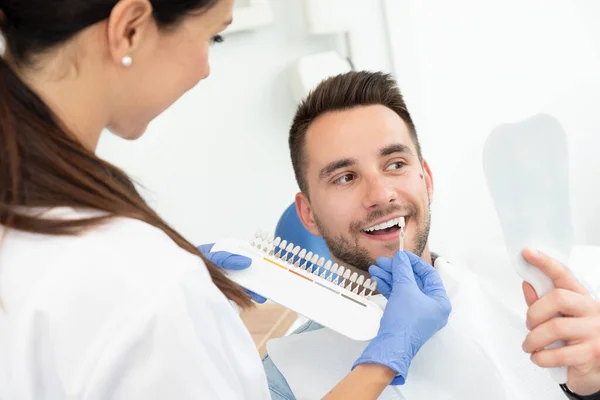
226	260
413	314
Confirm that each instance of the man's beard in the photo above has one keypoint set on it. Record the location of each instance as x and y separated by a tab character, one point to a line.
352	253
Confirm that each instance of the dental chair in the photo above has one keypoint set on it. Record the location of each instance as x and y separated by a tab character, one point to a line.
291	229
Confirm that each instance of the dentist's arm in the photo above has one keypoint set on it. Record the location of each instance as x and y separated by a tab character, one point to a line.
413	314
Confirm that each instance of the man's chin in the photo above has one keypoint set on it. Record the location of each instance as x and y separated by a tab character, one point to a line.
381	249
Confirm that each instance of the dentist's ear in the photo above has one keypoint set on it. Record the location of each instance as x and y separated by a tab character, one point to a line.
428	178
305	214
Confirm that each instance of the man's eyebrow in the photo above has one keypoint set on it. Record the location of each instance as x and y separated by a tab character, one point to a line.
394	148
335	165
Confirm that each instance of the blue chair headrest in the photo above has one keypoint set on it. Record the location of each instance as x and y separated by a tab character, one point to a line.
291	229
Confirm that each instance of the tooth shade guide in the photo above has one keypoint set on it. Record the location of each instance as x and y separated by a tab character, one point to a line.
342	310
314	281
325	273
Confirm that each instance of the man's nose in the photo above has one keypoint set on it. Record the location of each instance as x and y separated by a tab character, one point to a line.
378	193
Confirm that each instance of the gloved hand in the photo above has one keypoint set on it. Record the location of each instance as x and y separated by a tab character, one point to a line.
226	260
417	308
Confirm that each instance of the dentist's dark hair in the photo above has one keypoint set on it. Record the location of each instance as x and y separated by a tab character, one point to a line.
42	165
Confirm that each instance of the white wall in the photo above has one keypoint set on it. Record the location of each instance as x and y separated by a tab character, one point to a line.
217	162
467	66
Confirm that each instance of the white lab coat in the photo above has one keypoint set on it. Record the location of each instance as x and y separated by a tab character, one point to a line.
120	312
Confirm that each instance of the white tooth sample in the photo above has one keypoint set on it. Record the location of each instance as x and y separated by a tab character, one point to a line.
353	278
288	250
360	280
345	277
366	287
326	268
282	247
295	252
307	258
274	246
402	222
340	271
320	264
256	240
309	261
314	260
334	268
301	255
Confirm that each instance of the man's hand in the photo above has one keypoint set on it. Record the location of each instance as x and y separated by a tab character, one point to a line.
579	327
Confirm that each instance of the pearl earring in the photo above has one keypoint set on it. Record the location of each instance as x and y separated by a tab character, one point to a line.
126	61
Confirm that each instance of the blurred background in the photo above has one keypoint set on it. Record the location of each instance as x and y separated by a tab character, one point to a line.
217	162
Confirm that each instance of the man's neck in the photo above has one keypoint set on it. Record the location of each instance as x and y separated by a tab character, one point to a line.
426	255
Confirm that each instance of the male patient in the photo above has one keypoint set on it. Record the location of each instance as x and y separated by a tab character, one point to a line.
359	166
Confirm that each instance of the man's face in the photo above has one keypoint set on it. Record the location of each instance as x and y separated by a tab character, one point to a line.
363	171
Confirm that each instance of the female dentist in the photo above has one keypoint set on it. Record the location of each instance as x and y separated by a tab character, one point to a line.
100	298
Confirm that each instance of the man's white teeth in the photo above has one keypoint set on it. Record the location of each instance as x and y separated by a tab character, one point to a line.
384	225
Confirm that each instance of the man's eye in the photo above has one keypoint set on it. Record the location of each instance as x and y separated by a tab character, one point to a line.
395	165
344	179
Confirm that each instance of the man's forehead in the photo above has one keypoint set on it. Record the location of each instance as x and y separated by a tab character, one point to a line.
356	133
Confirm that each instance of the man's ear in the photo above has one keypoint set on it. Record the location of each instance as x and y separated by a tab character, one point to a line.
305	214
129	23
428	177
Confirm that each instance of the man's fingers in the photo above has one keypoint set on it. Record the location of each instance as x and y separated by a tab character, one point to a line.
560	328
559	301
529	292
560	275
566	356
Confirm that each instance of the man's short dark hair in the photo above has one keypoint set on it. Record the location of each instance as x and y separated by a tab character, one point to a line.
343	92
